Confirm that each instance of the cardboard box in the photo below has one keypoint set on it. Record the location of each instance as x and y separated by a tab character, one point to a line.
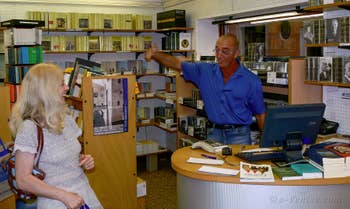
171	18
141	187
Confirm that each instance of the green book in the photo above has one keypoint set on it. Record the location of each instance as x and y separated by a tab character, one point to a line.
307	170
286	173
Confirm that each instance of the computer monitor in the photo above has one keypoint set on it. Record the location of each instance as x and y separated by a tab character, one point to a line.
291	122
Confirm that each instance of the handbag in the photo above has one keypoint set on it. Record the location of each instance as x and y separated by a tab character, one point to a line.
21	194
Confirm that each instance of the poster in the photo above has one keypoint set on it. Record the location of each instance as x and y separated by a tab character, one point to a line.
110	99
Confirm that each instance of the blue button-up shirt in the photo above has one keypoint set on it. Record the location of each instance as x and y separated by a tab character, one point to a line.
232	103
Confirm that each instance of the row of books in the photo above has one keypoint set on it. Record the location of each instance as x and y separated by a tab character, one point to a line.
22	36
124	67
331	69
321	2
195	126
78	21
14	91
24	55
296	171
320	31
256	52
272	72
17	73
177	41
95	43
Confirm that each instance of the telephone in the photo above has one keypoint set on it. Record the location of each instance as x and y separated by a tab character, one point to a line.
328	127
209	146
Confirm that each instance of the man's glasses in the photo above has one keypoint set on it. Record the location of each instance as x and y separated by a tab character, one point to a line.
224	51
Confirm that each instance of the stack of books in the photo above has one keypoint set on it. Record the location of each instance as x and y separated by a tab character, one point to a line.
332	157
297	171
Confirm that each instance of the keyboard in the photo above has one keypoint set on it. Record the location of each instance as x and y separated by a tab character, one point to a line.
261	155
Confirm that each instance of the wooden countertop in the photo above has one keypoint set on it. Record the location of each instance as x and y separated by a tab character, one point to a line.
179	164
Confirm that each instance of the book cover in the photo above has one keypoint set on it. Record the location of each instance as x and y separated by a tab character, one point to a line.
286	173
185	41
69	43
325	69
94	43
317	152
333	30
116	43
308	32
346	70
307	170
108	21
341	149
256	173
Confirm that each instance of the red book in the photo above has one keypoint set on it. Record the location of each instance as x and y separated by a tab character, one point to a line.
341	149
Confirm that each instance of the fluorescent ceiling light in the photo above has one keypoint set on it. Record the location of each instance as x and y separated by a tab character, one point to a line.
262	17
287	18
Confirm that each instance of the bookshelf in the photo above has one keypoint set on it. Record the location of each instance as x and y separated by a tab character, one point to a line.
333	60
331	11
22	50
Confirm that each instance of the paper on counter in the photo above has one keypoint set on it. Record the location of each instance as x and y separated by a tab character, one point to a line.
215	170
205	161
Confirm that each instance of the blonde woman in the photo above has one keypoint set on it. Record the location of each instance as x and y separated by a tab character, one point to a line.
42	102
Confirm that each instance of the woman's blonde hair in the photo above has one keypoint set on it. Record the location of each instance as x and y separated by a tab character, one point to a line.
40	100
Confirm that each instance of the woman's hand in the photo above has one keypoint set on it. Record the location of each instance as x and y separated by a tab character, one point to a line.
72	200
87	161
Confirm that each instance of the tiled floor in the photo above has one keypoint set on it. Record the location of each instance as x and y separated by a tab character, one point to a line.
161	184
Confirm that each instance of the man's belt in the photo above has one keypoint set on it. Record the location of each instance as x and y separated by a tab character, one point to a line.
228	126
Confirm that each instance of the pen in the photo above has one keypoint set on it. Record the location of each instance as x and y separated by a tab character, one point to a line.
208	156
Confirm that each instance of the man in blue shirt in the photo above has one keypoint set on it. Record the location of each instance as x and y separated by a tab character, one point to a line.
231	93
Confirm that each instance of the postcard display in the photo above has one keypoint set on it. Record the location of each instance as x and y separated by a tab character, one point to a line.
112	142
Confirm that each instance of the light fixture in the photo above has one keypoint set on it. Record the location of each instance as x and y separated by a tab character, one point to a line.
288	18
296	13
263	17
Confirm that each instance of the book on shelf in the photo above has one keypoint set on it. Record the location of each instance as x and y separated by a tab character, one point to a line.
94	43
108	21
81	68
256	173
69	43
286	173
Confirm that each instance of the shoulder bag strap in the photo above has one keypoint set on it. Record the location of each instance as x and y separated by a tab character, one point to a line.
39	149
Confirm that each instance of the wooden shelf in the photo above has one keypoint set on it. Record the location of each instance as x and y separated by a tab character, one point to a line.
334	6
75	102
156	74
275	90
120	30
339	45
327	83
106	52
165	129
